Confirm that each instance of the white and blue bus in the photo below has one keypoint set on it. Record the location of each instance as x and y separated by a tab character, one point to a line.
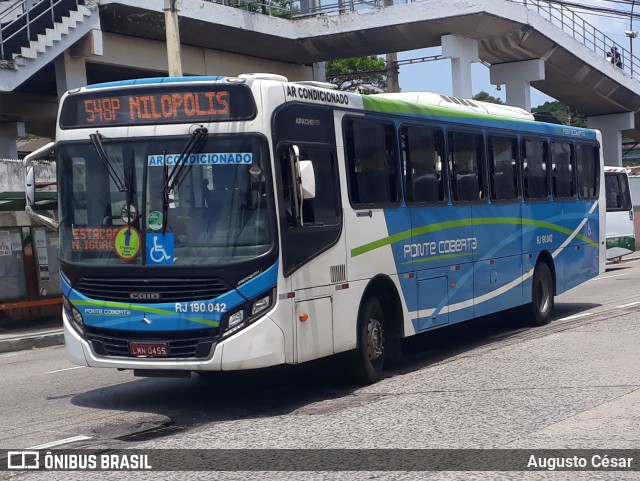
227	223
621	237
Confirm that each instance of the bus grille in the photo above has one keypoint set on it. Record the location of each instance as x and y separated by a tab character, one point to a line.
151	290
181	344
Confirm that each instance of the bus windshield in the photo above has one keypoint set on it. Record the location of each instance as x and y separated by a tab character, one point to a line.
114	210
617	189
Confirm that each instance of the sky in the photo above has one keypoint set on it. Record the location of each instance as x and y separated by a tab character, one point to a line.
435	76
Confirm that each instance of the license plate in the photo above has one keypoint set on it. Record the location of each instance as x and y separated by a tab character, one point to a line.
140	349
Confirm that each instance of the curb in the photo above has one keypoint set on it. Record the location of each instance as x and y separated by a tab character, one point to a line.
22	343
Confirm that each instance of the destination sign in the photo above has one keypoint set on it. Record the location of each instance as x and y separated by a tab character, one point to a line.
157	105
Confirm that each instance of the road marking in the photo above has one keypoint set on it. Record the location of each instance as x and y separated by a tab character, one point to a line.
12	354
628	305
65	369
576	316
608	277
59	442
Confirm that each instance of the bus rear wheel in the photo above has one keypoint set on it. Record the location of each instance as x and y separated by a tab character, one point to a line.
542	300
368	359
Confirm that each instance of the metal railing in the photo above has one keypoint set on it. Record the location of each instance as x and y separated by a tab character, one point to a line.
24	19
583	32
563	17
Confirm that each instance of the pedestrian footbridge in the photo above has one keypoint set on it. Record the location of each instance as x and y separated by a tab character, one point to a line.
524	42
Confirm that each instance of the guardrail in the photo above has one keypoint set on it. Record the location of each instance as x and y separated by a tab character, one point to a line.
583	32
23	20
566	18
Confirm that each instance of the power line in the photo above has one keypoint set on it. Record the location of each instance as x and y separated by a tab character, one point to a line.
601	10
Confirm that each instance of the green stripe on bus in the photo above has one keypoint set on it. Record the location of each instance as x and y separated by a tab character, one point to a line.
451	224
435	258
151	310
401	107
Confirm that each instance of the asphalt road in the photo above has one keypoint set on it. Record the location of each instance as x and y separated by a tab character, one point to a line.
485	384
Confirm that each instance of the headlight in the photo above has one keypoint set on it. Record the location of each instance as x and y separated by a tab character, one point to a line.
248	313
74	316
236	318
260	305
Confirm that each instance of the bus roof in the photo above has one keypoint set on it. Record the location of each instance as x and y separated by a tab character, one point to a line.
455	103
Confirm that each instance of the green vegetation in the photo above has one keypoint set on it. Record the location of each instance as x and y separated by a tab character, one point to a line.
365	75
275	8
565	114
483	96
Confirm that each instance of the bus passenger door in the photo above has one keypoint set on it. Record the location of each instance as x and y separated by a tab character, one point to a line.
313	251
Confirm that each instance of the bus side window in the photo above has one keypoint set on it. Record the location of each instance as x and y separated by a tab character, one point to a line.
503	155
587	160
371	162
466	161
562	169
324	208
423	152
535	172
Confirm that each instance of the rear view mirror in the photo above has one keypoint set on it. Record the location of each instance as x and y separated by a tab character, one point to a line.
34	201
307	179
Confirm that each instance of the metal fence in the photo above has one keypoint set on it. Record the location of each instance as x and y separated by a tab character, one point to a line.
22	21
563	17
19	19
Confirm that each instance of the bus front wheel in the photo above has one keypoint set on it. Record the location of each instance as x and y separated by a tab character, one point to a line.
368	359
541	295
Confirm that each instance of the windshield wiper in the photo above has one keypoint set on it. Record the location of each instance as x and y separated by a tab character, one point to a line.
172	178
96	140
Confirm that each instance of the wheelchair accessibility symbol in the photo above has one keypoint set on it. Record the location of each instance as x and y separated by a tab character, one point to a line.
160	248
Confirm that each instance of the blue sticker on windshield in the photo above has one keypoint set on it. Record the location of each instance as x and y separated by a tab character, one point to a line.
222	158
160	248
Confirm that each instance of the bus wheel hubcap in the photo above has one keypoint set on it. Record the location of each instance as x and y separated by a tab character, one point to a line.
543	296
374	339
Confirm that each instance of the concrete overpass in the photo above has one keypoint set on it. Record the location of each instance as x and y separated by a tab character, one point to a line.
553	50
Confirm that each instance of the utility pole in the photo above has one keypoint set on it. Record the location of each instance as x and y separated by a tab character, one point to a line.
393	84
173	38
631	33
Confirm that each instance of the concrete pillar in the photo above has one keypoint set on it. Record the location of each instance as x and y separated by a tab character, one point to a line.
9	133
517	78
71	72
611	127
320	71
462	52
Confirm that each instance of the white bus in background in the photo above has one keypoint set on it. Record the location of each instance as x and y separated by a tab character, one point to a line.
621	239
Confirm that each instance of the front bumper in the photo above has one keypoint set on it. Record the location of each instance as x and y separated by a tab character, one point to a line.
259	345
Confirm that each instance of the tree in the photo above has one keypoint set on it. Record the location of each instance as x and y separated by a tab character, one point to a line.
483	96
365	75
565	114
275	8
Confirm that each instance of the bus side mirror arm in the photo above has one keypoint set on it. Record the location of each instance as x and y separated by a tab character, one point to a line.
296	187
30	187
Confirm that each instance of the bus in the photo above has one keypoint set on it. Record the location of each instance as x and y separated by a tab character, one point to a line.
228	223
621	237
